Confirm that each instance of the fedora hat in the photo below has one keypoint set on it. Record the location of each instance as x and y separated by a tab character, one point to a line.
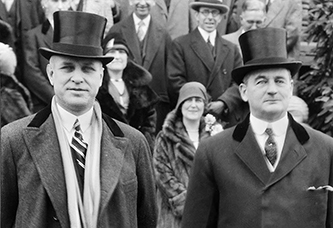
77	34
264	48
217	4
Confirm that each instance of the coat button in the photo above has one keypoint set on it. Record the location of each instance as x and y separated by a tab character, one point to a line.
55	218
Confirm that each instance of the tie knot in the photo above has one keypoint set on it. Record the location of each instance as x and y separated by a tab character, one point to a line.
269	131
77	125
141	23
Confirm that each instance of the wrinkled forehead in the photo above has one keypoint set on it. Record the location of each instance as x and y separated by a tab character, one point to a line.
62	59
268	73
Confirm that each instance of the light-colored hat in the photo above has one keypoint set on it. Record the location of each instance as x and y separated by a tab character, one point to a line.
191	89
217	4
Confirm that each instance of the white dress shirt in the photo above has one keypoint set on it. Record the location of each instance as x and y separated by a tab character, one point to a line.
68	120
146	22
279	130
205	35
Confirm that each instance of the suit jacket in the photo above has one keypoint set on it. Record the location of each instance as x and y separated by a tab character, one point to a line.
233	38
154	57
191	60
231	185
35	75
178	20
33	186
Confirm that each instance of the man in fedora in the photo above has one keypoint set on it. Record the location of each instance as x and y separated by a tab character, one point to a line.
269	170
70	165
204	56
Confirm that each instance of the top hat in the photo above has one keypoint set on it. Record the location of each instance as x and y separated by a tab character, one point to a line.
77	34
264	48
217	4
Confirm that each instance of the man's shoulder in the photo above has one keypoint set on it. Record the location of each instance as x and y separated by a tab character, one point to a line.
16	126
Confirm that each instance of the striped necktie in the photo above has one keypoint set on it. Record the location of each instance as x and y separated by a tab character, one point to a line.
79	150
141	32
270	147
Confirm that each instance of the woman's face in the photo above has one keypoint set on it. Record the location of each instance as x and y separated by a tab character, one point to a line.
120	59
193	108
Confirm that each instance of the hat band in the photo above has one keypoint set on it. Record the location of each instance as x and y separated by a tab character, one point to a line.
79	50
267	60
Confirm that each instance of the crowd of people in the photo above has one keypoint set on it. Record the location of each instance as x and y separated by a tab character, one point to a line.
157	113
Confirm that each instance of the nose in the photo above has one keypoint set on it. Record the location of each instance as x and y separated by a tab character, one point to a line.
77	76
272	87
60	4
254	26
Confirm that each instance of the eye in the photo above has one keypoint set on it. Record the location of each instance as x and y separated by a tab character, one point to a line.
261	82
88	69
67	68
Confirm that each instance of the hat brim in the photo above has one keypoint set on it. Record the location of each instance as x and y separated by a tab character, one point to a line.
47	53
239	73
196	5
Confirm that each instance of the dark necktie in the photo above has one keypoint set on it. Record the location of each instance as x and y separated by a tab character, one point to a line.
211	47
79	150
270	147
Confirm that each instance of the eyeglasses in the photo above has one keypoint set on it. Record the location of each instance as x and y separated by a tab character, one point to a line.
215	13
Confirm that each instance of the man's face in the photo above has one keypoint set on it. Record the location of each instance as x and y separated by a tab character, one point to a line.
268	92
208	18
142	7
252	19
51	6
75	81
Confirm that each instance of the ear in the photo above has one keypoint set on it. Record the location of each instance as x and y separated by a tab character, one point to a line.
102	75
243	91
50	73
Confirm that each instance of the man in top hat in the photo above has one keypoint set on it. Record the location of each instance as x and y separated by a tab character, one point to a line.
269	170
70	165
204	56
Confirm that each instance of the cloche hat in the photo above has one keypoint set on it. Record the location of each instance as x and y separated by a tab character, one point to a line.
77	34
191	89
264	48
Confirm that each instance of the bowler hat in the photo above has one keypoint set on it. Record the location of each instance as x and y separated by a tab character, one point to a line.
77	34
264	48
217	4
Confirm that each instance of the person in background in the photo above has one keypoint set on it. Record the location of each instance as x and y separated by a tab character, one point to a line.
286	14
269	170
35	76
183	130
148	43
204	56
252	17
174	15
125	93
22	15
70	165
15	101
298	109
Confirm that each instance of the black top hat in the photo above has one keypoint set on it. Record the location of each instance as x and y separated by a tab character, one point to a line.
217	4
77	34
264	48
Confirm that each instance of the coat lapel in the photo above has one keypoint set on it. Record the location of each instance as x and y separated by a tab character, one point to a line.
153	40
43	144
131	39
293	153
112	157
274	11
201	49
222	52
250	153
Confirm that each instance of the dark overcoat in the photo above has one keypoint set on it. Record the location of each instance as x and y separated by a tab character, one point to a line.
191	60
141	112
231	185
35	76
33	187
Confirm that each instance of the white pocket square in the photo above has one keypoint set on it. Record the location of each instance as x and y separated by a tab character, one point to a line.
325	187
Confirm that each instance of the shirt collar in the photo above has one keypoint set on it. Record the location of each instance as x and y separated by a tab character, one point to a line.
205	35
68	119
279	127
137	20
